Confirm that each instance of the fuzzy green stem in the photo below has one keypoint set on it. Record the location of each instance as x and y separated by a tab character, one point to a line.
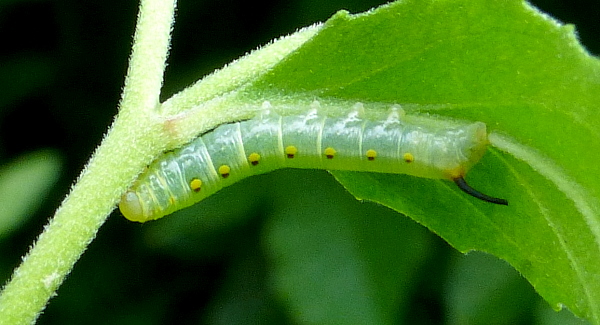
107	175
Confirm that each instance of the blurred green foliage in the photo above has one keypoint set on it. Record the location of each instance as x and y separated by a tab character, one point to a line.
61	71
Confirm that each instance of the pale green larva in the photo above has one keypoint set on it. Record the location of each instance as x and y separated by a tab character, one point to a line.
271	141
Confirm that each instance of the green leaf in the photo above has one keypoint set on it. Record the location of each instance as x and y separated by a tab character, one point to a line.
23	185
500	62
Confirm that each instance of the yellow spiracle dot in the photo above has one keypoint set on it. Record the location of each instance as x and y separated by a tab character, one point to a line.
408	157
224	171
195	185
371	154
291	151
172	200
329	152
253	158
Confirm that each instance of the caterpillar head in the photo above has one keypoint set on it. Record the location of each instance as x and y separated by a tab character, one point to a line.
131	207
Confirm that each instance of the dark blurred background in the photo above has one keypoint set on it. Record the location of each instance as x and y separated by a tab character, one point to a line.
62	66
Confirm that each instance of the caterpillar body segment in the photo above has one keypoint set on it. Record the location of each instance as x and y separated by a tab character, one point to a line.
271	141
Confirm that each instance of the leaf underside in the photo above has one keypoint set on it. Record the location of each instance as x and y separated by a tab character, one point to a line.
500	62
528	79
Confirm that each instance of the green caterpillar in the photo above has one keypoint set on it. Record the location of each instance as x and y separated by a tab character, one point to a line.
270	141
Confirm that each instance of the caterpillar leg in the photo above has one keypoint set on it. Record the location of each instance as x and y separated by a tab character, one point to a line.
462	184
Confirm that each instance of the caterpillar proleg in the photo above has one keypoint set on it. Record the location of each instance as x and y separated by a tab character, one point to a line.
271	141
